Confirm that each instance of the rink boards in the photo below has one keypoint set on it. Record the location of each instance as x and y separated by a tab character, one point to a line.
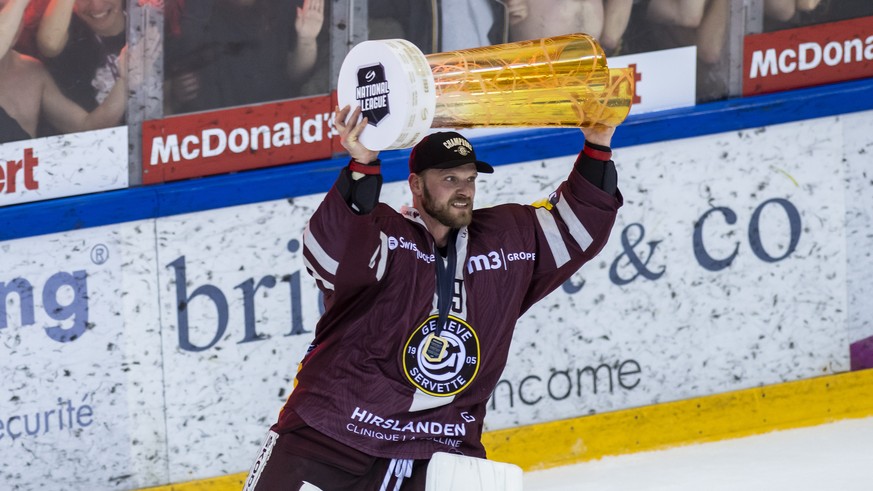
151	334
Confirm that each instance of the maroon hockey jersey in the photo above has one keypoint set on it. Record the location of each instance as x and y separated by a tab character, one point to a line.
366	380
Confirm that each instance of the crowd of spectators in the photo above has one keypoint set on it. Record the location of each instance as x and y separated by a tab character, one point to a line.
55	79
63	62
621	26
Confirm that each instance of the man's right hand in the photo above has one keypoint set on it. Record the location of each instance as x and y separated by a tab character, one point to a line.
350	129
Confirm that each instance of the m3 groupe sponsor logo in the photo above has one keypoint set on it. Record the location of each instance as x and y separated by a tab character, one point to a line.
494	260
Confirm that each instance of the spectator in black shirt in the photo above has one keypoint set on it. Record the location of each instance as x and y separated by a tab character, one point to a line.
80	42
28	92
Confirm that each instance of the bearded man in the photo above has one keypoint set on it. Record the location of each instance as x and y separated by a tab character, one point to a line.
420	306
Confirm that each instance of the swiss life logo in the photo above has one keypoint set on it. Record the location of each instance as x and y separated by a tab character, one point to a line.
372	93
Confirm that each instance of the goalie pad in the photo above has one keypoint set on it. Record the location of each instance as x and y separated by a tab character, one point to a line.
455	472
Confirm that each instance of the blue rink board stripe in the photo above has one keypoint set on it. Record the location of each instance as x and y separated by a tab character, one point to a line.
138	203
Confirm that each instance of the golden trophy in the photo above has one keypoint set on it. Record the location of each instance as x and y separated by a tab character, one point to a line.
558	81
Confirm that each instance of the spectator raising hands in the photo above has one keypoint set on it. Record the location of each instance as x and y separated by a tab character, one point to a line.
10	23
784	10
699	22
223	53
28	91
310	18
516	11
605	20
80	42
678	13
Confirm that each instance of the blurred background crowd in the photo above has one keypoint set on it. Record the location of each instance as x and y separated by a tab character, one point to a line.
63	63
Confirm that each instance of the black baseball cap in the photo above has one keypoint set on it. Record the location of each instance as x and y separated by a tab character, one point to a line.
444	150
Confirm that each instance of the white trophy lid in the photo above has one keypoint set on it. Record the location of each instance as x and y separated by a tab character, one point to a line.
392	83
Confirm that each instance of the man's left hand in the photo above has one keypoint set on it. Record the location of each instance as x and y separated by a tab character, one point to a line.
599	134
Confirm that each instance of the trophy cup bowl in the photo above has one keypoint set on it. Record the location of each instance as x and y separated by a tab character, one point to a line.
561	81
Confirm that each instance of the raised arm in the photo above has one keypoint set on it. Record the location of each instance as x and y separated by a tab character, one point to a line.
69	117
616	14
595	160
10	22
784	10
713	31
361	182
682	13
54	27
573	224
310	19
807	5
342	236
516	10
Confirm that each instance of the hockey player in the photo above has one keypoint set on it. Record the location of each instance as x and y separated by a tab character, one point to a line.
420	306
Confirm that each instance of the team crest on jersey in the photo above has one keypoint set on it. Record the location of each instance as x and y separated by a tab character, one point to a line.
442	365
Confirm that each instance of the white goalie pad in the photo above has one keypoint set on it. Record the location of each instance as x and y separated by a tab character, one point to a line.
451	472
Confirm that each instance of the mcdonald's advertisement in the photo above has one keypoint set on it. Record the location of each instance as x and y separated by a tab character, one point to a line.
230	140
808	56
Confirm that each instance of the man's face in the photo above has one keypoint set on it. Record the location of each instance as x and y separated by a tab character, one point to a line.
104	17
447	194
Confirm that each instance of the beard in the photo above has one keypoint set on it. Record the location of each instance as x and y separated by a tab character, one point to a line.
445	213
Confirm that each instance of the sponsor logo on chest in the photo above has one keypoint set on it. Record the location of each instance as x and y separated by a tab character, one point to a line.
402	243
494	260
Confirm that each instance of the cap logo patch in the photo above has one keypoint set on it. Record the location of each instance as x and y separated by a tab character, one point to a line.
463	147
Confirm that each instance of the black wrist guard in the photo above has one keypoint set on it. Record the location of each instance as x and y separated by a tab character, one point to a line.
362	195
595	165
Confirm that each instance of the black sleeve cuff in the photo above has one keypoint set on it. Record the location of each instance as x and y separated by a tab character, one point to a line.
596	166
362	195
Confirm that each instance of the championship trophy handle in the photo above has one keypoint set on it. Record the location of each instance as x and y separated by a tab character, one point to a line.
561	81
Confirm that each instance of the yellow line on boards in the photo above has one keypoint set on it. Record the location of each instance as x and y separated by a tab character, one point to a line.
717	417
232	482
